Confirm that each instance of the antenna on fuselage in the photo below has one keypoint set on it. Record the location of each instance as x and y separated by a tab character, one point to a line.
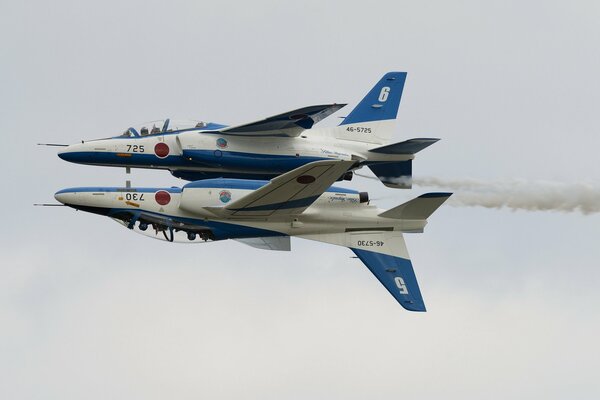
128	181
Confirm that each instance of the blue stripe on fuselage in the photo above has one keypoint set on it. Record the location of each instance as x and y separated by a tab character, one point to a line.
132	159
88	189
252	162
208	183
275	163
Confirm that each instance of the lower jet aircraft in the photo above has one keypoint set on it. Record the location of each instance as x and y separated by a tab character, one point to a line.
265	215
264	149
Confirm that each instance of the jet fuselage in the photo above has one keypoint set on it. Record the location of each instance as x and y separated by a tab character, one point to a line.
337	210
197	154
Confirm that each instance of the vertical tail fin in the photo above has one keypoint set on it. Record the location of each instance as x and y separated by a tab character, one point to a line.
372	120
381	102
396	174
397	275
384	253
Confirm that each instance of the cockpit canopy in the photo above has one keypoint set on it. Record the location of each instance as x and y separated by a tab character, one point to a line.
162	126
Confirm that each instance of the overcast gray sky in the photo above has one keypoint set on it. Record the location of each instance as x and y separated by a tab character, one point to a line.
90	310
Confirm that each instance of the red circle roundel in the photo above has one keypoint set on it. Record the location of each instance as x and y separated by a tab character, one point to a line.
161	150
162	197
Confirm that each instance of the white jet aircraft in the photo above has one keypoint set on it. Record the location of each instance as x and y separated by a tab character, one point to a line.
264	214
194	150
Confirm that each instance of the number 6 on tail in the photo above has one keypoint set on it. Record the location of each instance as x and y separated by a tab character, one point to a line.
401	285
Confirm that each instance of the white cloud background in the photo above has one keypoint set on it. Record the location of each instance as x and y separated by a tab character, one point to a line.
89	310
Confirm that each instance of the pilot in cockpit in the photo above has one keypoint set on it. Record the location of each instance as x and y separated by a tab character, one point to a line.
154	130
144	131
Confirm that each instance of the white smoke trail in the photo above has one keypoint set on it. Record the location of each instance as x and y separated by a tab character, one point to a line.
520	194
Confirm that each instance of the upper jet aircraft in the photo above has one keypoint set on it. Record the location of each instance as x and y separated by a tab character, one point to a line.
267	148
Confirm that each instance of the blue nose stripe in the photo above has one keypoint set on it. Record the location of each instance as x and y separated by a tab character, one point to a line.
111	158
70	156
68	190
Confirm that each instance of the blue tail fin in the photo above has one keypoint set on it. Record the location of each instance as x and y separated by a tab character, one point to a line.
382	102
384	253
397	275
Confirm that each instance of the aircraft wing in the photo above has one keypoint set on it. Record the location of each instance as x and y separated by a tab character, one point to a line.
287	194
291	123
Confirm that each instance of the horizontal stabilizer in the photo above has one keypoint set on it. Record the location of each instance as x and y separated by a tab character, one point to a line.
417	209
290	123
411	146
279	243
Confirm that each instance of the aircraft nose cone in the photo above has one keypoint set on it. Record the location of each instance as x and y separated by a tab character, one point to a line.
60	197
63	155
68	154
63	196
80	153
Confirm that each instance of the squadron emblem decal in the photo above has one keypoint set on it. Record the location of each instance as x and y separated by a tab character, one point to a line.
221	143
225	196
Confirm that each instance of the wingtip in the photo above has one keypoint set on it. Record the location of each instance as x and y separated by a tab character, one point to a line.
414	307
436	195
